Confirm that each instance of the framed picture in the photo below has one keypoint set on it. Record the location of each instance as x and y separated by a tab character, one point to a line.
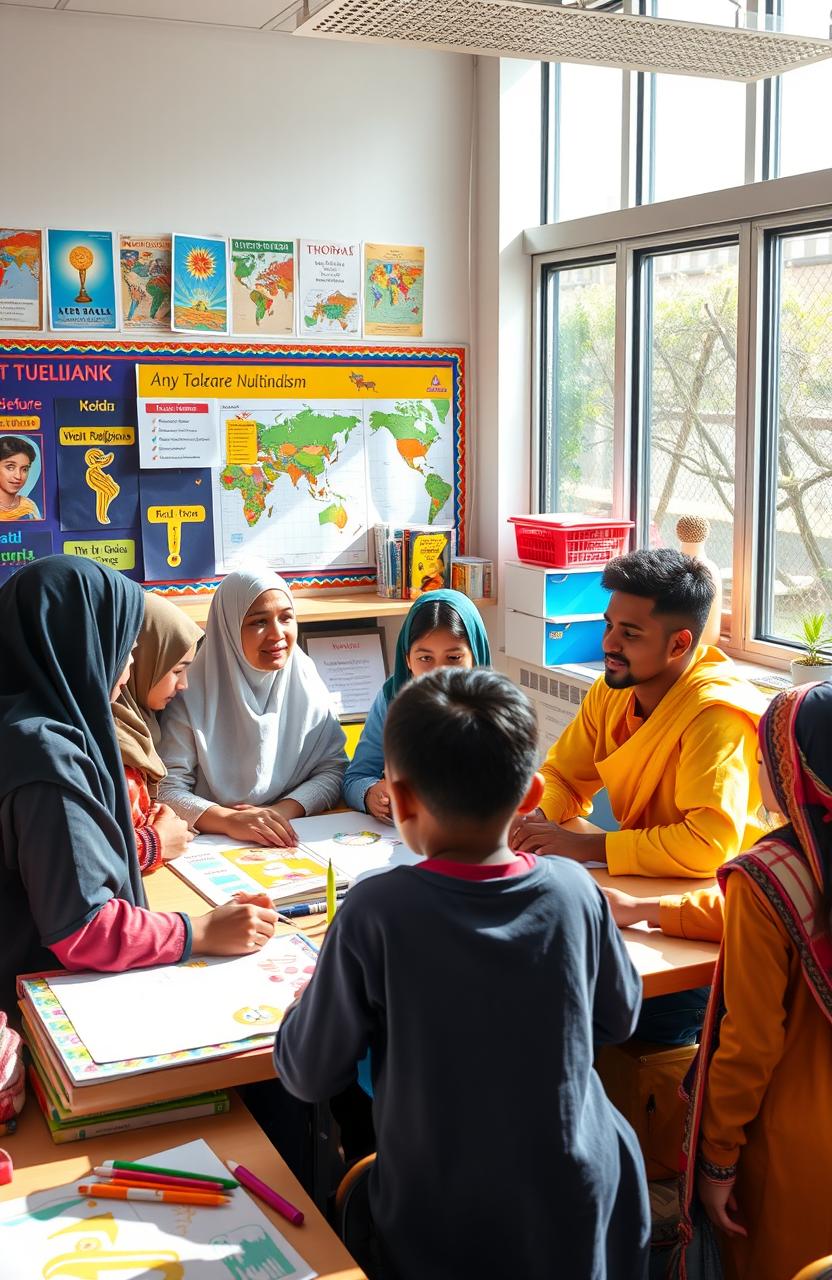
352	665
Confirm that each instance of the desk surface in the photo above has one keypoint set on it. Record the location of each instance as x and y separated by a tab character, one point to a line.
335	608
666	964
39	1165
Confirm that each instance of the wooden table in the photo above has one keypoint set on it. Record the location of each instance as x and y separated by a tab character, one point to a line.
666	964
335	608
39	1164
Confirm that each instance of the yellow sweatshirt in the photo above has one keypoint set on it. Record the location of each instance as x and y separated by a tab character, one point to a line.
682	784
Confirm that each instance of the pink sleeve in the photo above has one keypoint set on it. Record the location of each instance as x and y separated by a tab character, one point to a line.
120	936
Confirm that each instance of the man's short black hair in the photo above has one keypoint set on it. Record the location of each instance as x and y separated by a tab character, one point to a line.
464	740
682	588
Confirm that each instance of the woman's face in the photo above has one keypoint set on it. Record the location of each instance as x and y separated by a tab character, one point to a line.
14	472
166	689
123	678
269	631
439	648
770	800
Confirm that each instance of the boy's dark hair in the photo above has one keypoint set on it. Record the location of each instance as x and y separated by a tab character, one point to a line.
10	445
464	740
682	588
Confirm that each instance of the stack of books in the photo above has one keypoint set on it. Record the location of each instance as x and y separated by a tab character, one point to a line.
413	559
473	576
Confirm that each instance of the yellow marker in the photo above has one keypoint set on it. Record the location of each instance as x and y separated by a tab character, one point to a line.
103	486
330	893
174	518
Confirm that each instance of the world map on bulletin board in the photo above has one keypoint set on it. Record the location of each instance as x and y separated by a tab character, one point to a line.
177	462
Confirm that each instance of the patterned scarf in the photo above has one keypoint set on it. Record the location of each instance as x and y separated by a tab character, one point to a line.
791	870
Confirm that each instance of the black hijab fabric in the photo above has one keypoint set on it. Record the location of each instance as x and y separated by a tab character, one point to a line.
67	626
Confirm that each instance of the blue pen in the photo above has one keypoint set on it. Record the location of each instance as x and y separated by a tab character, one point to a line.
307	908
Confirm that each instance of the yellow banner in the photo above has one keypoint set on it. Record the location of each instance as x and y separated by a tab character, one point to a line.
117	553
96	435
19	422
182	382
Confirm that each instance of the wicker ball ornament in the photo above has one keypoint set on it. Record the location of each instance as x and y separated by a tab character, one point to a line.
692	528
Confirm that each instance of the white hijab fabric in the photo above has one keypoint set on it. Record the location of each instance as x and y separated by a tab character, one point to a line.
257	734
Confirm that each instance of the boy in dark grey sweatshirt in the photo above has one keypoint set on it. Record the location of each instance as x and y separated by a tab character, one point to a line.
482	981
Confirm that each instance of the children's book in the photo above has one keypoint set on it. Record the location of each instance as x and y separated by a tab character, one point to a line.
218	870
63	1232
428	557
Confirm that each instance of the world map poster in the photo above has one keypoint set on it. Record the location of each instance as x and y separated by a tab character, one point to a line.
394	290
21	279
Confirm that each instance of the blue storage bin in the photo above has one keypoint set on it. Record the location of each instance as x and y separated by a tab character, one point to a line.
553	642
554	593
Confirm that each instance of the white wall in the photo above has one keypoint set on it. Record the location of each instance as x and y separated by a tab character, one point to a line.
141	126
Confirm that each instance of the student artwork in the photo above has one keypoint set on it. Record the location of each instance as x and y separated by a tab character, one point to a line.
21	476
329	288
177	525
21	279
218	870
64	1232
200	284
394	290
263	286
355	843
359	838
145	266
98	463
82	289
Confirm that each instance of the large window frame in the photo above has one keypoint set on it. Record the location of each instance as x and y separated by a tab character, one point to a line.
751	217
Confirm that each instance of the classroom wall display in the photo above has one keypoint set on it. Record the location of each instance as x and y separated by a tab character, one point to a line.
145	271
21	279
21	476
394	290
263	287
200	284
311	446
82	282
329	288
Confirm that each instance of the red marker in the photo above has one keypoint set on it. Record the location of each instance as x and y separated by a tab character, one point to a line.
269	1196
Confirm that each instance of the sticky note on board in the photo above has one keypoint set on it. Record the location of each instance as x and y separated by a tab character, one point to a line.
116	553
240	442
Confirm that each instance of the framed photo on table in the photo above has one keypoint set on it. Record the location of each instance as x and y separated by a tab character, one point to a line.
352	665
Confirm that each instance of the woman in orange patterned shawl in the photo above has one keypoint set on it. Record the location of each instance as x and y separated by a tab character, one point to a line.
759	1139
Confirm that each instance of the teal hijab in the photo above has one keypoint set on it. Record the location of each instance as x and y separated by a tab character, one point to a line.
469	617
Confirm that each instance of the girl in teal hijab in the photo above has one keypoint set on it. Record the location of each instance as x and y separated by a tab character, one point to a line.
442	629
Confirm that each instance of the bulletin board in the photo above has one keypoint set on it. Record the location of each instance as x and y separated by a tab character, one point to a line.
304	450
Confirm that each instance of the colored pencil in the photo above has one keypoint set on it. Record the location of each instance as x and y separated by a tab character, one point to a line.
330	893
140	1167
110	1191
266	1193
135	1178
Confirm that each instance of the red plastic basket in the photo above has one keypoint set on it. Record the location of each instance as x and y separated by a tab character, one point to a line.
563	541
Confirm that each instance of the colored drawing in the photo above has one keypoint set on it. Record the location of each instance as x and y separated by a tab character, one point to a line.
174	517
356	837
259	1016
103	485
82	291
21	278
200	292
21	477
98	463
254	1254
177	524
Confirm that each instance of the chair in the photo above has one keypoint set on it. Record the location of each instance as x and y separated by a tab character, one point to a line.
820	1270
352	1210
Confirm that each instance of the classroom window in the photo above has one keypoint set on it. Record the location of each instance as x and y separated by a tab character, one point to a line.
796	502
805	140
687	402
583	140
577	388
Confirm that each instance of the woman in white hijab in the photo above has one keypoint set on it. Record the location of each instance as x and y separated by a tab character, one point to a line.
253	741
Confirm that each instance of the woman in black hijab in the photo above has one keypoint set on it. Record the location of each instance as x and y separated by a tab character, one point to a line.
70	885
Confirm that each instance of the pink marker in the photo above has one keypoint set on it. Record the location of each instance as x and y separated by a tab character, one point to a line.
166	1180
250	1180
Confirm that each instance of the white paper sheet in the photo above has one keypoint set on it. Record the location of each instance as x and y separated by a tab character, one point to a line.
61	1234
358	844
171	1008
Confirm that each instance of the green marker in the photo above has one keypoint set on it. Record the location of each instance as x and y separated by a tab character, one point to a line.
170	1173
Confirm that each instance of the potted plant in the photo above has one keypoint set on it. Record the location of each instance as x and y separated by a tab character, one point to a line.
813	664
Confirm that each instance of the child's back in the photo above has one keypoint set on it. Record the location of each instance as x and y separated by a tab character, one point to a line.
482	981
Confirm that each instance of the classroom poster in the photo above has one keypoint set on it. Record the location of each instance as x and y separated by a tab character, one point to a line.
145	270
394	290
21	279
263	286
19	547
82	284
22	487
329	288
98	463
177	525
115	550
200	284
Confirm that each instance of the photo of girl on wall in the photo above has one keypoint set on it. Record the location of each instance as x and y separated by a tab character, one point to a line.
21	478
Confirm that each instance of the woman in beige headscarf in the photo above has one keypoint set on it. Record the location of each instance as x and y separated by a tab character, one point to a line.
165	649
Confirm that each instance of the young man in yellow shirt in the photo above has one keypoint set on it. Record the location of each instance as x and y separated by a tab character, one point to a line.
670	730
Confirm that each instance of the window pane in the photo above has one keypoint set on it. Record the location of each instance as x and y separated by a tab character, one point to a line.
698	124
578	389
587	140
804	146
799	574
689	394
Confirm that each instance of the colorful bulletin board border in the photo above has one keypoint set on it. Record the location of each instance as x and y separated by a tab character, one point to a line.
34	373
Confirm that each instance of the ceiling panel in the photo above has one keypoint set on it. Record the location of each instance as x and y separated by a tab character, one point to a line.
229	13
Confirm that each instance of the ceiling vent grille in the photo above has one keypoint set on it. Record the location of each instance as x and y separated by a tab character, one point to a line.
504	28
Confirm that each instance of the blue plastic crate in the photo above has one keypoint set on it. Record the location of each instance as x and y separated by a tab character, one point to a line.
553	642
